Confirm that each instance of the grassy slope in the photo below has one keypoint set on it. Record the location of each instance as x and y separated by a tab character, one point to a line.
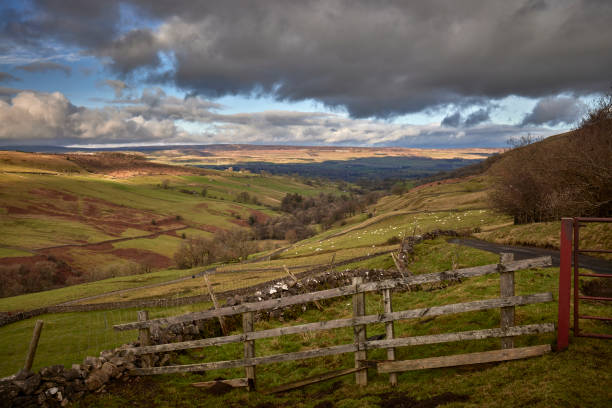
31	301
543	381
47	201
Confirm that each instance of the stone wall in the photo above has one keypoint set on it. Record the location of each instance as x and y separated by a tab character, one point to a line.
57	385
12	317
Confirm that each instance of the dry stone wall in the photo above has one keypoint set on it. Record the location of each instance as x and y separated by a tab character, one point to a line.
57	385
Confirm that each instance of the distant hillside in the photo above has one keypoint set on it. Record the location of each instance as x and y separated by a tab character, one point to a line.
82	217
370	169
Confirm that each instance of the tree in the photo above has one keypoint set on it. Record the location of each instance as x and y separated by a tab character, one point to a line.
194	251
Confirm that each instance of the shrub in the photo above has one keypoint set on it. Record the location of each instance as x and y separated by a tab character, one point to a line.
566	175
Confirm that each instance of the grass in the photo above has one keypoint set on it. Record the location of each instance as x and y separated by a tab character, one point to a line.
377	231
164	244
550	380
51	297
36	232
31	199
546	381
11	252
192	287
87	333
465	194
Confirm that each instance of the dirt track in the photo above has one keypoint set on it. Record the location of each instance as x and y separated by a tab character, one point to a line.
595	264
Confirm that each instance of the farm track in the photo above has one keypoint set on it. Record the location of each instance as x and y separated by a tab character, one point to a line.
112	241
597	265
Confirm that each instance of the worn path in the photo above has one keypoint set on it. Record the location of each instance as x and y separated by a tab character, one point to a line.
520	252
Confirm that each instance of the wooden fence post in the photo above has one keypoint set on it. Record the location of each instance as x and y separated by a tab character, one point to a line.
33	345
144	335
390	333
506	285
360	337
224	328
249	348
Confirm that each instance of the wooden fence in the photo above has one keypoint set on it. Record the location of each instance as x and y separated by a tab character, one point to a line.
507	330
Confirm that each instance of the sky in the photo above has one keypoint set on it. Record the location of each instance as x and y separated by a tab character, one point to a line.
435	74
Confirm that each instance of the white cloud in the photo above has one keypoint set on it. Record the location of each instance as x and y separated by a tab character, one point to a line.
32	117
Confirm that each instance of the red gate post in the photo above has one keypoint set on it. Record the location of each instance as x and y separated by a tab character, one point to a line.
565	284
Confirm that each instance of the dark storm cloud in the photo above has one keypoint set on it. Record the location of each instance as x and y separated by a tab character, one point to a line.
372	58
555	110
136	49
45	66
476	118
452	120
6	77
73	22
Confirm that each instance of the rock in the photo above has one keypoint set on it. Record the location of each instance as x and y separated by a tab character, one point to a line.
8	391
72	374
92	362
52	372
23	374
175	328
110	369
25	401
29	385
52	391
118	361
96	379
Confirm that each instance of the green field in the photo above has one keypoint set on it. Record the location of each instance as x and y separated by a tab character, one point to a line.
51	297
541	381
64	205
86	333
77	208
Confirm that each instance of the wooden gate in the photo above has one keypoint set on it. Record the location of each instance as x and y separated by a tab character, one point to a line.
570	254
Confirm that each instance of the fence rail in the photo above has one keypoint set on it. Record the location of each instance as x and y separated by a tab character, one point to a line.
360	346
342	291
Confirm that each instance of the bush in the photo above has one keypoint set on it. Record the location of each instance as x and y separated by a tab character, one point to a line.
564	176
234	245
398	188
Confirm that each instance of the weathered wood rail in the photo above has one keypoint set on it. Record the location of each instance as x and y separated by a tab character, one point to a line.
506	332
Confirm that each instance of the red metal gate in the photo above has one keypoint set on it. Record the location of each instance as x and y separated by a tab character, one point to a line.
570	227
